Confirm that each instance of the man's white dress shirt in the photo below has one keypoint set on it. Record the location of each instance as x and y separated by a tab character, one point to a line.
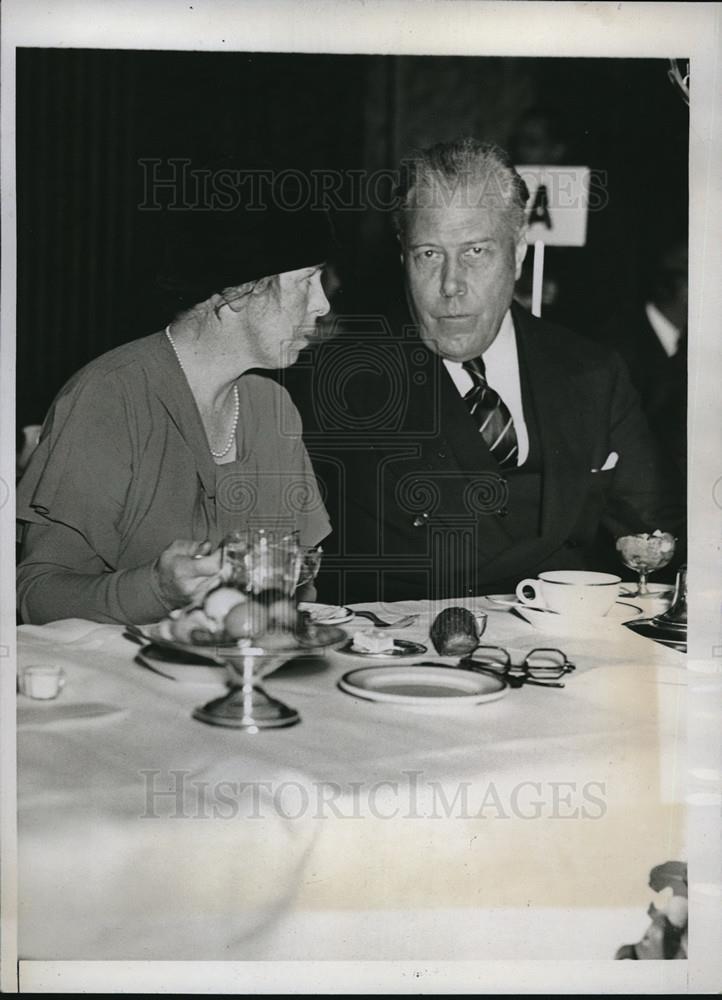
501	361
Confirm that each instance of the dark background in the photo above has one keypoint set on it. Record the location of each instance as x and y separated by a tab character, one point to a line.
87	254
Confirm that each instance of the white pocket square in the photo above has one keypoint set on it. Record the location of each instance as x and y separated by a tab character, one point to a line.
611	461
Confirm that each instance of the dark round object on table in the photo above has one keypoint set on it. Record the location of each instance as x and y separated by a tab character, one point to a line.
454	632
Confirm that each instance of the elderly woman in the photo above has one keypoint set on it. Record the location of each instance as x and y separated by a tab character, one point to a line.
156	450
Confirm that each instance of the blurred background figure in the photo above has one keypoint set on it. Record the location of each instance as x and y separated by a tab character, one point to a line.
540	138
651	336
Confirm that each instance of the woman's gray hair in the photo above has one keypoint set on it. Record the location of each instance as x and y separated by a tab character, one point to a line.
429	177
232	297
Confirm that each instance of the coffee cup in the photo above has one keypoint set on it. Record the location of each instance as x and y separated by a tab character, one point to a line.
42	682
578	593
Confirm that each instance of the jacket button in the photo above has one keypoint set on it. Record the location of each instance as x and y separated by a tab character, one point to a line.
502	512
442	454
420	520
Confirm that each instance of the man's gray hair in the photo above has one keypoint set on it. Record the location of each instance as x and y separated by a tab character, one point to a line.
429	177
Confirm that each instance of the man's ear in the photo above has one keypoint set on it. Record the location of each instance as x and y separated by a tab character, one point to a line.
520	251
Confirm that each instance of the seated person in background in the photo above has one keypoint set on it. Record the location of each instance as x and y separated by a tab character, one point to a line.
156	450
652	340
472	445
541	137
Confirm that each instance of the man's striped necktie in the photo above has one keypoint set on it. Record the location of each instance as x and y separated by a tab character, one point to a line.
491	415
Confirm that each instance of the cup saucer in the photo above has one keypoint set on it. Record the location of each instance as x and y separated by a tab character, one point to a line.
555	624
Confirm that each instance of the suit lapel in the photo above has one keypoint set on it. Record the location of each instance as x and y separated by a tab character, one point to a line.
563	415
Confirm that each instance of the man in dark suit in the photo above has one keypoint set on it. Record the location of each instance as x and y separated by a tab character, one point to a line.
469	445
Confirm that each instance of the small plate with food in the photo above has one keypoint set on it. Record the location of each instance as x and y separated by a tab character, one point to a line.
379	644
326	614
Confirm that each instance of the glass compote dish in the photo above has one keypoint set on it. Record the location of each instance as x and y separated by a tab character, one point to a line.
266	569
251	625
645	553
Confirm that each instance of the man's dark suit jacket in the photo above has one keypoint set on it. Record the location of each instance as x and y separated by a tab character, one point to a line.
420	508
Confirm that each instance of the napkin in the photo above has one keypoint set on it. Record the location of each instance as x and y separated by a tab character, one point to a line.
65	631
52	713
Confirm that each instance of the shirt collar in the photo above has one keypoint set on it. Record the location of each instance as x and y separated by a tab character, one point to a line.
503	346
667	333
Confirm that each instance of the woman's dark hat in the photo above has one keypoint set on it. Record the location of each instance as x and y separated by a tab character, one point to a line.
239	223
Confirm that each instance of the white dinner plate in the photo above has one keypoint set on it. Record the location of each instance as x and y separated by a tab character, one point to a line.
175	667
326	614
423	685
549	621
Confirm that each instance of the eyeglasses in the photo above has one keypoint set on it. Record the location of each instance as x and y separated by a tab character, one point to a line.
543	667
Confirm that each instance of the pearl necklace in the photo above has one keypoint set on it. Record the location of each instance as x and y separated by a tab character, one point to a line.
236	403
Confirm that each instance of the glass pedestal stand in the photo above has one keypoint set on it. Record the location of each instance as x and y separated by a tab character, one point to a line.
247	706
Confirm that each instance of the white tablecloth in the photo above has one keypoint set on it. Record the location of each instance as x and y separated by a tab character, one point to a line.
522	828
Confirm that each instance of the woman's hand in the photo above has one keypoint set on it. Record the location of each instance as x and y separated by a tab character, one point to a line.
186	571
